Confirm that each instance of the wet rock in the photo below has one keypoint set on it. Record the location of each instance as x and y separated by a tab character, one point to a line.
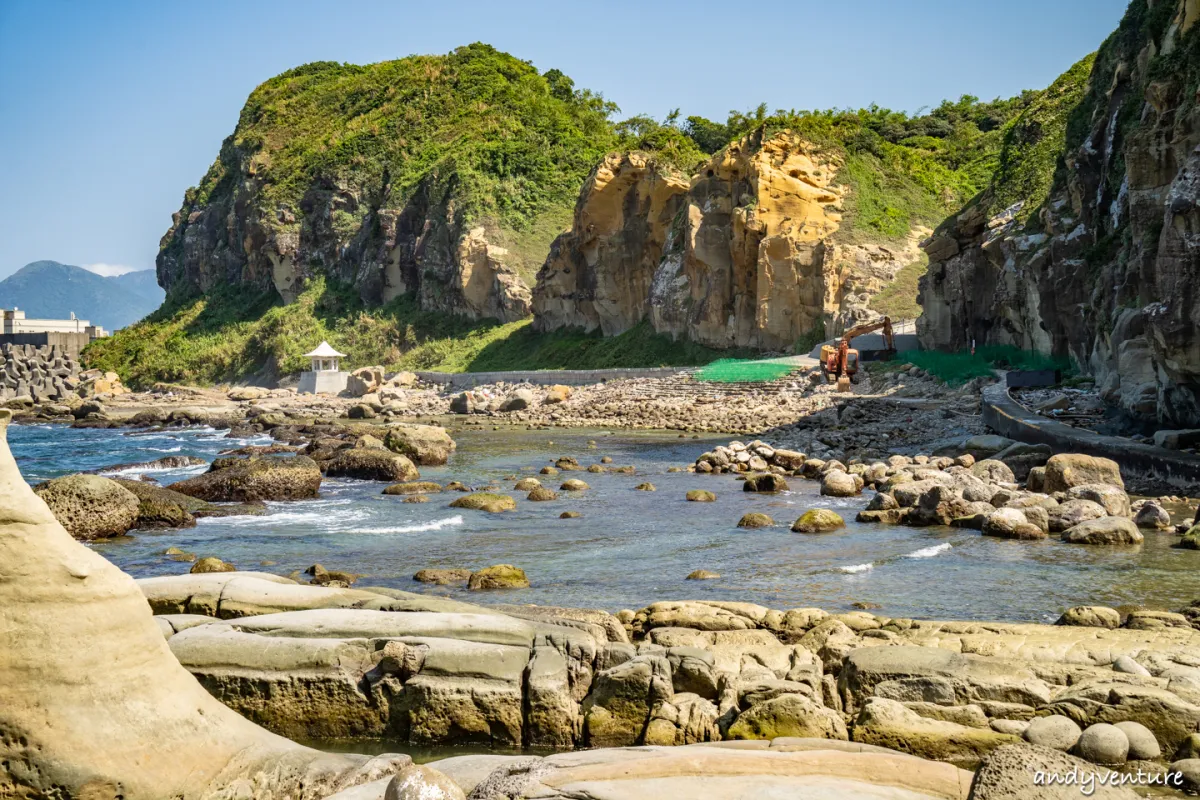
256	478
701	496
1072	512
818	520
646	487
837	483
527	485
442	577
1107	531
573	485
541	494
755	520
500	576
570	515
416	498
425	445
413	487
485	501
765	482
211	564
1154	517
1011	523
702	575
89	506
371	464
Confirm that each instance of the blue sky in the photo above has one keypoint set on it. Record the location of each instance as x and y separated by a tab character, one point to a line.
110	110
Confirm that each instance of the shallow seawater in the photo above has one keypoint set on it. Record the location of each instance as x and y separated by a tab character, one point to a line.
629	548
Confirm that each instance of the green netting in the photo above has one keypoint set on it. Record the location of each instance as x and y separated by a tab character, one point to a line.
733	370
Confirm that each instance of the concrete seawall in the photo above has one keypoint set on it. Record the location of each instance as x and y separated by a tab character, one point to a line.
1009	418
547	377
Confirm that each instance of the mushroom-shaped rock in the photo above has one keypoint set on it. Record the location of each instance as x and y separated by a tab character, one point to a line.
818	520
75	719
485	501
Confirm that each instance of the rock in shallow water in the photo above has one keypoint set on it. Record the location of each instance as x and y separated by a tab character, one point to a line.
89	506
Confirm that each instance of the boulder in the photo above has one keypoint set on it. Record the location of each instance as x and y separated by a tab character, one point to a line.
500	576
701	496
485	501
1109	531
519	400
89	506
526	485
211	564
1103	744
788	715
1154	517
993	471
416	782
617	710
1056	732
425	445
1142	744
1010	523
702	575
985	446
818	520
253	479
1112	498
888	723
541	494
1072	512
463	403
557	394
1067	470
573	485
755	519
1091	617
442	577
765	482
836	483
646	487
371	464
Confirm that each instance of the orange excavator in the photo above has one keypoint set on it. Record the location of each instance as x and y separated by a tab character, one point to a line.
841	362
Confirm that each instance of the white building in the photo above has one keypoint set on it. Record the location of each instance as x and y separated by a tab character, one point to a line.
325	376
15	323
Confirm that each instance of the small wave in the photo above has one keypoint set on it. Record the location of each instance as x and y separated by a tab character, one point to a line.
436	525
174	449
929	552
857	568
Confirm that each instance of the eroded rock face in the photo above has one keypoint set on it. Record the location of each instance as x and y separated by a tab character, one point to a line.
742	254
598	275
1105	270
401	243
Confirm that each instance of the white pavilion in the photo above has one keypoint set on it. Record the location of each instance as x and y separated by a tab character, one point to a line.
325	375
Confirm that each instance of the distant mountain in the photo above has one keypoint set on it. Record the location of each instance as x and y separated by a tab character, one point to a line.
48	289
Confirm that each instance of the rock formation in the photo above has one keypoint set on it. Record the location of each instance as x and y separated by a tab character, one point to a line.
1096	258
92	703
744	254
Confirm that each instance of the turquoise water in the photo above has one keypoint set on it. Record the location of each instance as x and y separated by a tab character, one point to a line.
630	548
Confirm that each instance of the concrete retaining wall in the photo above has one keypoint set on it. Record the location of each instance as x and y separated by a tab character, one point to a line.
1009	418
546	377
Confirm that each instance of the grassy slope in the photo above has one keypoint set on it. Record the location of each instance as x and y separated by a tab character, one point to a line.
227	336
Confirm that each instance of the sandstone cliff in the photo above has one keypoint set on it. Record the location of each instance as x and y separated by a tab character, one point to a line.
742	254
1087	244
395	178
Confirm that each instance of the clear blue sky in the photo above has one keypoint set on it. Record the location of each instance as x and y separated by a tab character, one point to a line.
110	110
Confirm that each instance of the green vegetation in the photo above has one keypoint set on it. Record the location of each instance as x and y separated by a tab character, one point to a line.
228	335
955	369
1035	141
899	299
901	170
733	370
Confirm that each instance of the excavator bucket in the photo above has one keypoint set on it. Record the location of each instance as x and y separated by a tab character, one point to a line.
843	383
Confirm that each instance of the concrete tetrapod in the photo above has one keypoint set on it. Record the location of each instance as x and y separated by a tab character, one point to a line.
92	703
